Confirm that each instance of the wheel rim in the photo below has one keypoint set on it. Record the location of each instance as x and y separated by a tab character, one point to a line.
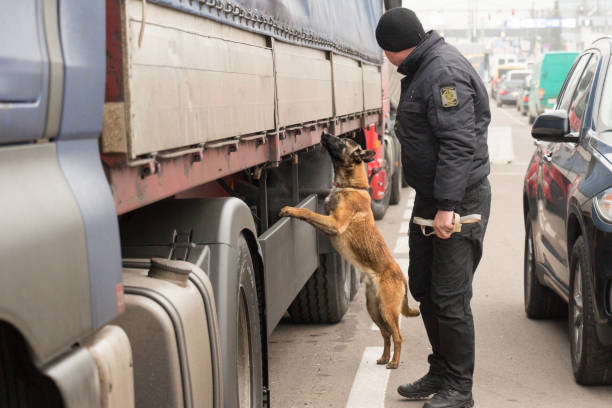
244	360
529	261
577	315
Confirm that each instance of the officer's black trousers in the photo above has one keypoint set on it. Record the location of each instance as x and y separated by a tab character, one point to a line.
440	278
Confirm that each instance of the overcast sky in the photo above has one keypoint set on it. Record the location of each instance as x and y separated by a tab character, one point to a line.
480	4
440	14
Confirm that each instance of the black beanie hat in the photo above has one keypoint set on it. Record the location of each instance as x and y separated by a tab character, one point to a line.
399	29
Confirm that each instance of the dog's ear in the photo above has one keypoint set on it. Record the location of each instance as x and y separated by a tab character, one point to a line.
367	155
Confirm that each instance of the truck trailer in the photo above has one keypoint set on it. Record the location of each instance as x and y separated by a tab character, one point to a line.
146	148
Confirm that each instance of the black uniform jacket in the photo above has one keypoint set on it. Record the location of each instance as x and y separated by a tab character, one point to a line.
443	115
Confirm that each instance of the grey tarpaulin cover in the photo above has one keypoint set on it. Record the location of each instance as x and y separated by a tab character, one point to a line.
343	26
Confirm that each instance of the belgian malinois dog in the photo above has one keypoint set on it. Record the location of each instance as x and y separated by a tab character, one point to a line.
353	232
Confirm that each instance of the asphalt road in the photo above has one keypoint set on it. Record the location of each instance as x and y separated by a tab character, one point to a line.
519	362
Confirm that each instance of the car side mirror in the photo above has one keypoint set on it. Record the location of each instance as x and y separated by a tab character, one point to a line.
552	127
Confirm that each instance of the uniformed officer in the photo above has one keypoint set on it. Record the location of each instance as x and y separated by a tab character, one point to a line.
442	121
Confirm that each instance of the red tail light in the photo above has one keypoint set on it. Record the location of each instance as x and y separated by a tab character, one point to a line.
541	92
503	92
526	98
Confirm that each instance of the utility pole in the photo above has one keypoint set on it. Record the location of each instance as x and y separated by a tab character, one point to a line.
471	20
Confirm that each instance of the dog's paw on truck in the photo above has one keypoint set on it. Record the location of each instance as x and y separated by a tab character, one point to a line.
171	130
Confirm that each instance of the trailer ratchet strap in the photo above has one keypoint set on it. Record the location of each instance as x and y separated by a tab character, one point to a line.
459	220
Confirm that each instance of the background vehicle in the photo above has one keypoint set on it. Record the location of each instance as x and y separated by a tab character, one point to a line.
477	55
510	86
522	98
495	60
568	214
211	115
500	71
546	80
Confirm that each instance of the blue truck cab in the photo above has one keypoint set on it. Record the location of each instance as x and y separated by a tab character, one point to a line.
60	274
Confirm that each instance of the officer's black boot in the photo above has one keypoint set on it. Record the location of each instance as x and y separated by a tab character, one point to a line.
450	398
421	388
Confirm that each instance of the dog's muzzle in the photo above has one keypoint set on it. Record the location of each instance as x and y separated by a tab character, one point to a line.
459	220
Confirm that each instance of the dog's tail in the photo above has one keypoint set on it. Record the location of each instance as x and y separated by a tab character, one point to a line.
406	310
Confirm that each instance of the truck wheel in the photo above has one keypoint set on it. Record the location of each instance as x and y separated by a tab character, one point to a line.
540	301
379	207
355	281
591	361
248	342
404	182
396	185
21	383
326	295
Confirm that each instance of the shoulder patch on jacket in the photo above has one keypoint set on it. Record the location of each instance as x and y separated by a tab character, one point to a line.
448	95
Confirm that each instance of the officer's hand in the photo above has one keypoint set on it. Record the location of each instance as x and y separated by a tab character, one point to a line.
443	224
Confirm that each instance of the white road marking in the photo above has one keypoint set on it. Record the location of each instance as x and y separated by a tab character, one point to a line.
501	150
514	119
401	245
370	384
407	214
404	226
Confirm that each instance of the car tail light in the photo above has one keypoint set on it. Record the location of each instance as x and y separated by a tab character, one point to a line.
526	98
603	203
541	92
503	92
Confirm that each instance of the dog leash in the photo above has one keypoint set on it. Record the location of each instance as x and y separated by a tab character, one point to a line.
466	219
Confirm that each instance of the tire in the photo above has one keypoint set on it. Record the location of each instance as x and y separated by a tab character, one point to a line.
21	383
404	182
326	295
591	361
540	301
249	361
379	207
396	185
355	281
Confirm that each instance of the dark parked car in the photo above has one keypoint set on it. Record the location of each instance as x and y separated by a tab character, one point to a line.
568	214
511	84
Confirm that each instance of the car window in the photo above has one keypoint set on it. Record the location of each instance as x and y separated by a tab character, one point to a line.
605	111
518	75
581	96
572	82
